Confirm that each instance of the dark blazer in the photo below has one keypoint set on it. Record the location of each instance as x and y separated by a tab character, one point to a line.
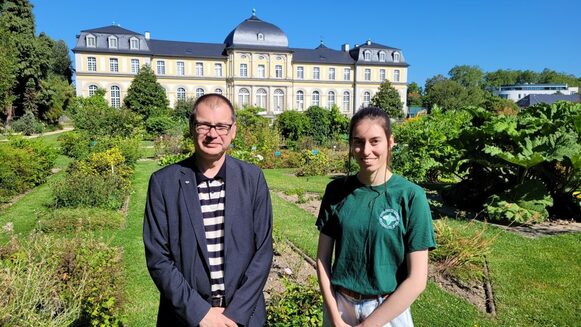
176	250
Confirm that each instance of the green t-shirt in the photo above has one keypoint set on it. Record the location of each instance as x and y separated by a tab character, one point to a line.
374	227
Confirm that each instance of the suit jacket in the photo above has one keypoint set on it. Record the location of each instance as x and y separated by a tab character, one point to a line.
176	250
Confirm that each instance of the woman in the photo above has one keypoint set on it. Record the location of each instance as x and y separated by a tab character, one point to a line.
380	226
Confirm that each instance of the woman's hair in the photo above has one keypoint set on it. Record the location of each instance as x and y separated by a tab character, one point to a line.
373	113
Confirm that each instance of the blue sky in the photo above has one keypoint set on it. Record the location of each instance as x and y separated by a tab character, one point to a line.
434	35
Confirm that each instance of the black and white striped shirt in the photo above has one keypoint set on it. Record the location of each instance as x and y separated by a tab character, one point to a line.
211	193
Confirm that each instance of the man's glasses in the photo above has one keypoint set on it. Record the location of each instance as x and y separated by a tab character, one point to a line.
221	129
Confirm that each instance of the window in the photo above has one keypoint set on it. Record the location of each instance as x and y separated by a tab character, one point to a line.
243	70
199	92
346	101
346	74
396	56
278	100
367	55
315	99
134	43
134	66
180	68
199	69
382	56
300	100
218	91
367	74
382	75
91	41
261	71
331	98
218	70
261	98
278	71
316	73
113	65
366	99
92	64
396	75
92	89
160	67
243	97
115	97
112	42
260	36
181	94
300	72
331	73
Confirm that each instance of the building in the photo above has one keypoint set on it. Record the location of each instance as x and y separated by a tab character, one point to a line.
533	99
253	66
519	91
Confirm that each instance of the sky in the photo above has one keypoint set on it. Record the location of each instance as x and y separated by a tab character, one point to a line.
434	36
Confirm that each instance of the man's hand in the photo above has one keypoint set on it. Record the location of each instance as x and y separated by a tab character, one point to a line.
216	318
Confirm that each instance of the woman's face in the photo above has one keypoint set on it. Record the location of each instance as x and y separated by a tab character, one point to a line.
370	144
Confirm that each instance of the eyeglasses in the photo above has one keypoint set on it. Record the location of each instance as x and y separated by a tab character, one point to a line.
221	129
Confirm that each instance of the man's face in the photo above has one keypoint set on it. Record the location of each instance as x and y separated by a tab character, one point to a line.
212	136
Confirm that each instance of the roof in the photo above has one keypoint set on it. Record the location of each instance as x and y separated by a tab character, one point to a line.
373	45
533	99
187	49
112	29
322	55
247	33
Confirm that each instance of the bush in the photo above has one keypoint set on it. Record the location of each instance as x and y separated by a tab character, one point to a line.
79	145
172	158
80	219
298	305
28	124
525	204
85	190
322	163
159	125
49	281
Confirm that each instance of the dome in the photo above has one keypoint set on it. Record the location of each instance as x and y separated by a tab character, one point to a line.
256	32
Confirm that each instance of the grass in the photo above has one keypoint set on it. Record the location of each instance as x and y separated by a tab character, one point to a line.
285	180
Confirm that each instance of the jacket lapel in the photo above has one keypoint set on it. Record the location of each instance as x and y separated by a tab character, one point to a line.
230	208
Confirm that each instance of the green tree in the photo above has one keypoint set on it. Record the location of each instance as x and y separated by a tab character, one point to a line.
467	76
54	97
339	123
292	124
446	94
388	99
7	76
500	77
414	94
320	124
145	95
61	61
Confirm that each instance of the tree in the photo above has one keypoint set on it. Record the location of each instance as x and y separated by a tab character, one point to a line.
60	61
388	99
320	124
433	80
54	98
339	123
467	76
414	94
446	94
500	77
292	124
145	95
7	76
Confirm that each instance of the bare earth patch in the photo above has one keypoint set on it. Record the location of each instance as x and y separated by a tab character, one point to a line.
473	293
312	203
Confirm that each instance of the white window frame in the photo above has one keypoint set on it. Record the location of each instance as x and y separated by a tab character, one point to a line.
91	41
346	101
113	42
382	56
134	43
180	68
300	100
396	57
199	92
243	97
261	96
160	67
181	94
331	73
316	73
135	66
199	69
115	95
261	71
366	98
91	64
367	75
300	72
278	97
315	98
346	74
330	99
382	75
92	89
113	65
218	70
218	91
367	55
396	75
243	70
278	71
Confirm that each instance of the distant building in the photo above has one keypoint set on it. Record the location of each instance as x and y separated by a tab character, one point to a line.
253	66
533	99
519	91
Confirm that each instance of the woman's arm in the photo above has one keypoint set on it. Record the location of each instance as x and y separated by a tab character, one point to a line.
324	256
405	294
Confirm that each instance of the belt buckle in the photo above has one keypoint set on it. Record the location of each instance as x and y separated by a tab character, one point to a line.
217	301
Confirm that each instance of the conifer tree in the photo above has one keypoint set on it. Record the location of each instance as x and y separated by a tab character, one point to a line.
387	98
145	95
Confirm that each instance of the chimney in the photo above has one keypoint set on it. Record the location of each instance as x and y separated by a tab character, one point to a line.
345	47
147	35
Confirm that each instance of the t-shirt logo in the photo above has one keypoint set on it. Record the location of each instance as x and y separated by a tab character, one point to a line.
389	219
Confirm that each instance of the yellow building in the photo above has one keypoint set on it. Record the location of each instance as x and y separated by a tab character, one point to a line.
253	66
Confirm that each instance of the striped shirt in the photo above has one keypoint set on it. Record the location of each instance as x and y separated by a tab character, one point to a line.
211	193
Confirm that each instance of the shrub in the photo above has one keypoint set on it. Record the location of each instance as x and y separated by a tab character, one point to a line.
49	281
322	163
525	204
80	219
298	305
85	190
28	125
79	145
172	158
292	124
159	125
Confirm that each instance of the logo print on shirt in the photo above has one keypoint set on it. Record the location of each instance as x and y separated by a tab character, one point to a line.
389	219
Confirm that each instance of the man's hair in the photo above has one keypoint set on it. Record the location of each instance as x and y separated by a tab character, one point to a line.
212	100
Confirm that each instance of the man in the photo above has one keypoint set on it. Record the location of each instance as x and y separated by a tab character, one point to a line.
208	229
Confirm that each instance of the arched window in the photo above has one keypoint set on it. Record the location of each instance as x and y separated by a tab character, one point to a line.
134	43
181	94
278	100
381	56
300	100
367	55
91	41
331	98
315	98
92	89
218	91
113	41
396	57
261	98
346	101
115	96
243	97
366	99
199	92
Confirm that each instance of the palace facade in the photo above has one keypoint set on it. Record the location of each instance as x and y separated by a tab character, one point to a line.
253	66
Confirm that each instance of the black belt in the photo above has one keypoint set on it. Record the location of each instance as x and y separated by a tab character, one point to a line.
218	302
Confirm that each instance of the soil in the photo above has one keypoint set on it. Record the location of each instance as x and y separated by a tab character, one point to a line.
474	293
